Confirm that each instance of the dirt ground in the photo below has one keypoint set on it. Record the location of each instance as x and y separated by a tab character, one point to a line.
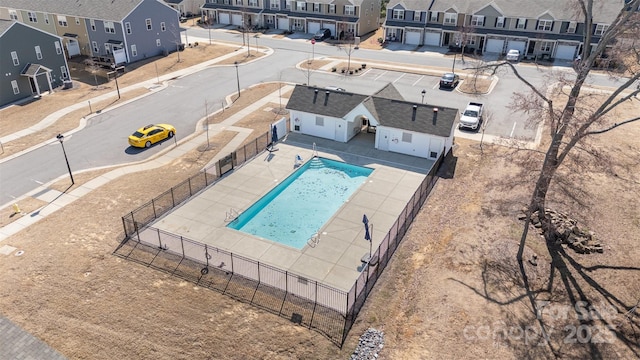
452	290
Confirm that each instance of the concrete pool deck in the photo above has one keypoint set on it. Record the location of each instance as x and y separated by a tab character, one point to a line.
336	259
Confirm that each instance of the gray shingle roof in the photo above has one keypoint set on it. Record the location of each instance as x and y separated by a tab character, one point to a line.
5	25
390	92
391	112
112	10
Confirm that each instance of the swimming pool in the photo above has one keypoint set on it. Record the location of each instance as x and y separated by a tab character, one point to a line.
298	207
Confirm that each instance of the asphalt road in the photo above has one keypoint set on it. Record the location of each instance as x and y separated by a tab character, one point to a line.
103	141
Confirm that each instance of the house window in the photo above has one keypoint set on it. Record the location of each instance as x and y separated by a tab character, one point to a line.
63	70
416	15
477	20
545	25
163	26
134	50
107	48
521	23
434	16
14	57
46	18
349	10
96	49
398	14
77	21
58	47
148	22
316	7
298	24
450	19
406	137
301	5
319	121
238	2
38	52
14	85
571	29
253	3
13	15
127	28
109	27
546	46
158	43
287	4
600	29
93	24
332	9
62	20
500	22
275	5
32	17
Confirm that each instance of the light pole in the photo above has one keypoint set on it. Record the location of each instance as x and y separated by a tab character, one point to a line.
60	138
237	77
424	92
453	67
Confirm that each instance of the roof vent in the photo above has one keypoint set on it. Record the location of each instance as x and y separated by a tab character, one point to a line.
415	109
326	97
435	109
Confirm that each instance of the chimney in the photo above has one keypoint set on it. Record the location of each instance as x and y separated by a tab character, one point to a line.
435	115
315	95
415	110
326	98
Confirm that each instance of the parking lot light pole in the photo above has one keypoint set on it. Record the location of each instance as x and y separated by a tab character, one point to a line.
60	138
237	77
424	92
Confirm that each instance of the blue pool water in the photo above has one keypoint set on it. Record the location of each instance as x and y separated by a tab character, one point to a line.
299	206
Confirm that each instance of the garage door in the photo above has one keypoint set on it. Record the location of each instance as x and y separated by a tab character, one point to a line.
236	19
517	45
494	46
432	39
566	52
413	38
330	26
224	18
283	23
313	27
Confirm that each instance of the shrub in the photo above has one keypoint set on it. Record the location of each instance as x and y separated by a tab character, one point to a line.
333	69
380	40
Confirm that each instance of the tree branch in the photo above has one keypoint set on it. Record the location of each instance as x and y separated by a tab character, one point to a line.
602	131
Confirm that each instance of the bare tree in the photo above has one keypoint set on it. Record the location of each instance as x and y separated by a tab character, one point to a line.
348	47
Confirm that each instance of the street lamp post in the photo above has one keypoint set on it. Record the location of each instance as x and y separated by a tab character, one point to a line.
453	67
237	77
60	138
424	92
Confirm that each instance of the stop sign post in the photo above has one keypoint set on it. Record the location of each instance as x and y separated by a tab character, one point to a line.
313	49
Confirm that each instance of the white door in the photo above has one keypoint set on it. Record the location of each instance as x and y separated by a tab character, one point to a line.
224	18
332	27
413	38
517	45
73	48
383	140
313	27
432	39
494	46
283	23
236	19
566	52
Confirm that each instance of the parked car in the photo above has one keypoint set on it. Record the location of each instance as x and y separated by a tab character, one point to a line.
449	80
322	34
472	116
334	88
513	55
151	134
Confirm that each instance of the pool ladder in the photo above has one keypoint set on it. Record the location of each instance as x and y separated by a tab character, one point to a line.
315	151
231	215
314	240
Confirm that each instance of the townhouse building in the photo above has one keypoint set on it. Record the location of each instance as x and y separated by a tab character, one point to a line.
344	18
125	30
539	29
186	7
32	61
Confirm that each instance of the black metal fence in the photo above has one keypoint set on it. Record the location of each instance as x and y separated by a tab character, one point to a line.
323	308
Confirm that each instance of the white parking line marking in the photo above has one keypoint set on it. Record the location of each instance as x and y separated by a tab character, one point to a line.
394	81
437	85
513	129
379	76
417	81
37	182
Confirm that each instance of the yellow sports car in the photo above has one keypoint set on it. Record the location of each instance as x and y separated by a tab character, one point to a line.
151	134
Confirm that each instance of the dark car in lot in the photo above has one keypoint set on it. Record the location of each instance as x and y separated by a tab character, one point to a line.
322	34
449	80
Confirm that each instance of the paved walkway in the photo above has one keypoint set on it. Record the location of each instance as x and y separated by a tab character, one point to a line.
15	343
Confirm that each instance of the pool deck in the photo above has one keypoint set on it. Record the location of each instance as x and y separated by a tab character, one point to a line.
336	259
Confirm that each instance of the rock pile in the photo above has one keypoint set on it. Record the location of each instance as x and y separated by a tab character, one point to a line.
566	231
370	344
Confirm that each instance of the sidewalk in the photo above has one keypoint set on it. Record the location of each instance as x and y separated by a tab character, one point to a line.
57	200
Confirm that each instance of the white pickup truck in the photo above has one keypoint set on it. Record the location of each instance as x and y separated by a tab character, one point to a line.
472	116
